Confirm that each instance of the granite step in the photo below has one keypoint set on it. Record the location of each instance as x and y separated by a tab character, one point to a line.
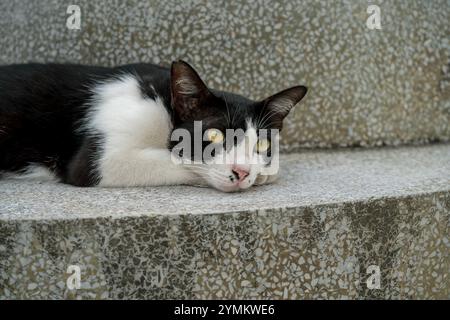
332	219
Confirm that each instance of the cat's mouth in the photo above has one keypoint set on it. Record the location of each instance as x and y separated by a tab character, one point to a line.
233	188
235	180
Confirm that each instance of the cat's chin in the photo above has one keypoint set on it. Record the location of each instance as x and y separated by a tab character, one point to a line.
231	188
203	183
228	189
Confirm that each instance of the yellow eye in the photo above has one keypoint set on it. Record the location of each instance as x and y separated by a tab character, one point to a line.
262	145
214	135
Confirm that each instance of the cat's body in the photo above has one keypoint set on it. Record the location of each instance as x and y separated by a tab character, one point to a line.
90	126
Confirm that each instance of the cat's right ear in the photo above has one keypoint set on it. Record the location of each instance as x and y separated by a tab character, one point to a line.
277	107
187	89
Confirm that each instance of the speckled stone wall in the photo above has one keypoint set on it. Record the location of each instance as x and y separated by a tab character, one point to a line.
367	87
311	252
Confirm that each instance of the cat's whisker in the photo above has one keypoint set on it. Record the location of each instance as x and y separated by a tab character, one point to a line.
203	171
221	179
234	113
266	118
228	111
261	114
221	176
216	176
193	168
265	115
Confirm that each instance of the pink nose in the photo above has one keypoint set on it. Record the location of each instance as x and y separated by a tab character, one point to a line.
240	173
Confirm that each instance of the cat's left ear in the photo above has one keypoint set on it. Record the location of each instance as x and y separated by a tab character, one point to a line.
278	106
188	90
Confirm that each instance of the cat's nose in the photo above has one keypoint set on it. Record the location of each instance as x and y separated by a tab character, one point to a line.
240	173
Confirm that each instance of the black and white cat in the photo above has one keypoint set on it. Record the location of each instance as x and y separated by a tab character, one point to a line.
97	126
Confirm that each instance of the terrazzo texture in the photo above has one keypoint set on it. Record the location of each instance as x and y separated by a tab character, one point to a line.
309	178
367	87
313	235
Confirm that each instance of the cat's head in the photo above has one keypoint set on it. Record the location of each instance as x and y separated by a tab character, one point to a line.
226	139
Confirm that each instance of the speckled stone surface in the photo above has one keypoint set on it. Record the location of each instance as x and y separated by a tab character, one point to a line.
307	179
312	235
367	87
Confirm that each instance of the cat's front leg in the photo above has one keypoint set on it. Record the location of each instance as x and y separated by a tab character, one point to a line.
147	167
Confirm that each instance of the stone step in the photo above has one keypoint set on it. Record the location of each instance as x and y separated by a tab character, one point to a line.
368	87
332	218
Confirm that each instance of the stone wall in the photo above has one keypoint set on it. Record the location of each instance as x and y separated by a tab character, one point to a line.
367	87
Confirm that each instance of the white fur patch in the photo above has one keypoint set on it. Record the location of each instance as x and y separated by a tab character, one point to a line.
128	119
136	130
33	172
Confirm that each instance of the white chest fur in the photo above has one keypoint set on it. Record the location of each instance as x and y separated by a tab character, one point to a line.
135	131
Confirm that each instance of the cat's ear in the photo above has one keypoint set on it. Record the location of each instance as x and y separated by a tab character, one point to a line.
187	89
278	106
